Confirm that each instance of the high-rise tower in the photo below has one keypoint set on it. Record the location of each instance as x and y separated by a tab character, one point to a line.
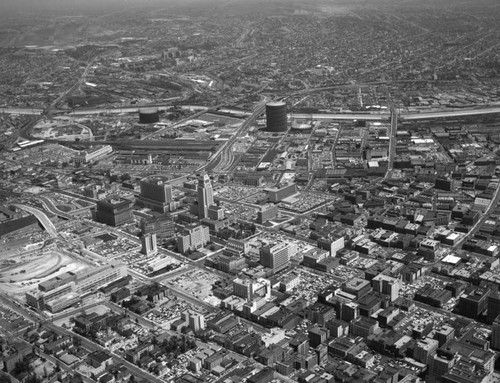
114	211
156	195
149	245
205	195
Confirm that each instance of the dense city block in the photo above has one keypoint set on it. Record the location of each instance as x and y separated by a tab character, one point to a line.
245	191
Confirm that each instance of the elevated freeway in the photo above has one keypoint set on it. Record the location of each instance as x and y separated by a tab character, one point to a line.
450	113
342	116
127	109
402	116
392	135
13	110
42	218
223	158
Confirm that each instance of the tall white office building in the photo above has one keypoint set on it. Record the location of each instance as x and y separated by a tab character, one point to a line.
205	195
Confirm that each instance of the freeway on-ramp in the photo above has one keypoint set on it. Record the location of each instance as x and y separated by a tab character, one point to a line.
42	218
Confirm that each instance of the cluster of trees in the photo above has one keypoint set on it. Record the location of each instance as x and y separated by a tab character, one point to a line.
23	367
244	230
115	178
170	349
84	53
136	305
175	345
112	322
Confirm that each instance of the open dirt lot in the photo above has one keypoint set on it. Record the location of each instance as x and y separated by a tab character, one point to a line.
22	272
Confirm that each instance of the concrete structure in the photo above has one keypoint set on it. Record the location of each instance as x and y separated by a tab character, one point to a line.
93	154
91	280
163	227
205	196
386	285
42	218
277	256
156	195
289	282
195	321
250	289
66	289
493	307
313	256
114	211
474	302
40	299
444	334
237	246
460	360
333	244
424	349
194	238
267	213
357	287
215	213
149	245
229	263
277	195
495	335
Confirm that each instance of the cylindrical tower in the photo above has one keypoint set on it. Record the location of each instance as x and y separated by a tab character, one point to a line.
148	115
276	117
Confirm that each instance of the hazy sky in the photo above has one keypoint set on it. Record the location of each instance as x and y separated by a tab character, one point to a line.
73	5
93	6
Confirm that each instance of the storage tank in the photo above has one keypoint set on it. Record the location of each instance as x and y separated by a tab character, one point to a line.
149	115
276	117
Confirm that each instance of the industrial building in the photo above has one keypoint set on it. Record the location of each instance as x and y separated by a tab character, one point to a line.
67	289
93	154
279	194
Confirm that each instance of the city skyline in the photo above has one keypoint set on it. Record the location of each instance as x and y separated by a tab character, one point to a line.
263	191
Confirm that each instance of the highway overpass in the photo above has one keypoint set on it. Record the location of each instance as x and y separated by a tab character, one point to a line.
341	116
32	111
450	113
402	116
127	109
42	218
